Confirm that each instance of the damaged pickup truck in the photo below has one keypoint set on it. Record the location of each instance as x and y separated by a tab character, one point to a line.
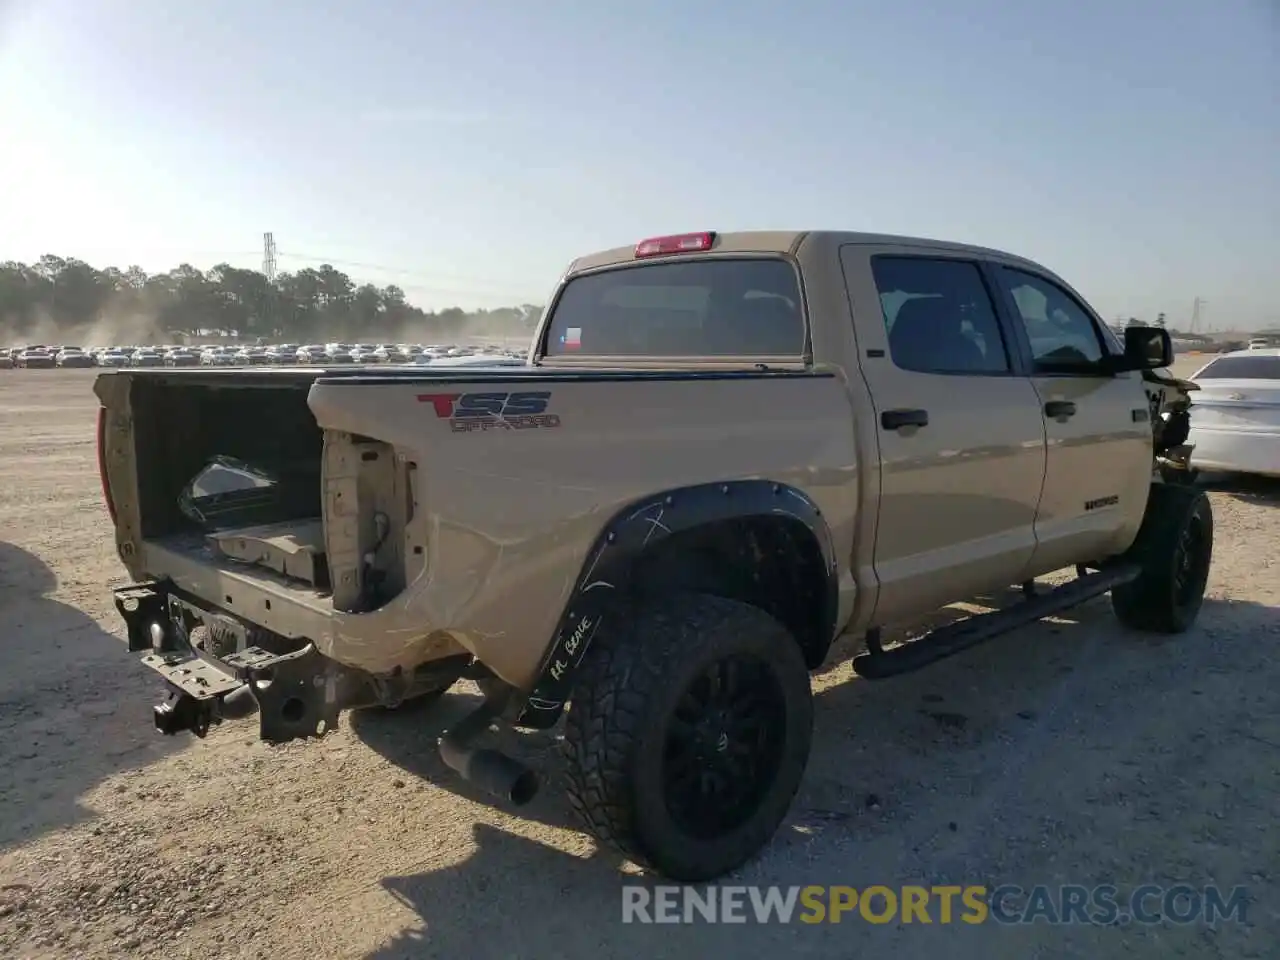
725	452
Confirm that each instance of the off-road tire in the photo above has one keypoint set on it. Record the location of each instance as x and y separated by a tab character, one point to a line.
637	670
1175	547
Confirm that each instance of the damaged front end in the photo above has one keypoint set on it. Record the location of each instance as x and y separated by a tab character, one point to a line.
1170	402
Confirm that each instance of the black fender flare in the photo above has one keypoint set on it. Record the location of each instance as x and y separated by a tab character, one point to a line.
639	527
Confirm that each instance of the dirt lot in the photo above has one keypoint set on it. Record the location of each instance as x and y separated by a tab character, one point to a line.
1068	753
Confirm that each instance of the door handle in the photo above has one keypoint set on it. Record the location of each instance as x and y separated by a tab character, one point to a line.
897	419
1059	409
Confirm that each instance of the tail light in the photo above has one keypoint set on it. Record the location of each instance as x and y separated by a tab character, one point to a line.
679	243
102	463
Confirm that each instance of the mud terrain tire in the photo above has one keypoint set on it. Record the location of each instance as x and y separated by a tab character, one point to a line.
1175	547
686	694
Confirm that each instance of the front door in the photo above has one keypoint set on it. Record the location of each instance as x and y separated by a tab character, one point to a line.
1097	426
962	445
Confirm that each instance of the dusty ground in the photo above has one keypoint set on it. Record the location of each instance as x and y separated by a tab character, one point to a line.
1068	753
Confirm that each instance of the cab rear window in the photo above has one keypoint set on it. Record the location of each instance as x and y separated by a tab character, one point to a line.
740	307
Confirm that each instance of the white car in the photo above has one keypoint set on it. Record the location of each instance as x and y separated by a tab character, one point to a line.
338	353
33	357
73	357
221	356
252	357
367	353
147	357
387	353
1235	415
311	353
283	353
182	357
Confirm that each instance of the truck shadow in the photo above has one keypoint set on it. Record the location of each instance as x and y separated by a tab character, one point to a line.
904	776
70	712
407	738
1245	487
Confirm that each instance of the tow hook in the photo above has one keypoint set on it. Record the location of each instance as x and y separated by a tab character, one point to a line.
296	694
183	712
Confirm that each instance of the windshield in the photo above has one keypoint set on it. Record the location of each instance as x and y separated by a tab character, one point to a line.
698	308
1242	368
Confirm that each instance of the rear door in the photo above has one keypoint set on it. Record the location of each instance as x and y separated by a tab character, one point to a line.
962	444
1098	427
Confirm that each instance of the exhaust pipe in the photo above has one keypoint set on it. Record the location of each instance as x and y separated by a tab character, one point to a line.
490	770
238	704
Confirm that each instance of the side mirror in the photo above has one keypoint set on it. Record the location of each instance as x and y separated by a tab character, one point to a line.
1146	348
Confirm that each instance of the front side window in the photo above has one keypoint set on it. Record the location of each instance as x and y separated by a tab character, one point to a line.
939	316
1061	332
704	307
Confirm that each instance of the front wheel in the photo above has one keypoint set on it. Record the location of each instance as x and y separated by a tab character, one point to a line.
1175	548
688	734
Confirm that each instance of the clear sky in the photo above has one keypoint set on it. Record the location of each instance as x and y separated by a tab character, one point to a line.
467	150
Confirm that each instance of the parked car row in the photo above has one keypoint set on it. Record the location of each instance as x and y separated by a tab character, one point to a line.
282	354
40	356
340	353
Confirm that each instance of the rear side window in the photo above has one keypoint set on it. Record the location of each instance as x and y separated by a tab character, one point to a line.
697	308
1242	368
939	316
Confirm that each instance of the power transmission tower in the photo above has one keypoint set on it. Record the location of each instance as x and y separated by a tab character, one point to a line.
269	257
269	318
1195	314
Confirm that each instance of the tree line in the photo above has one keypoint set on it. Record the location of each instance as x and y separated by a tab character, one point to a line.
58	295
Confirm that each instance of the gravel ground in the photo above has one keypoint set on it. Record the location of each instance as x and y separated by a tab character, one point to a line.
1070	752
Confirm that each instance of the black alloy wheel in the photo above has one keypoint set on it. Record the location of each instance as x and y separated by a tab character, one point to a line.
724	746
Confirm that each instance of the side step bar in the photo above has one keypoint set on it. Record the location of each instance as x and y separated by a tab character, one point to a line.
880	664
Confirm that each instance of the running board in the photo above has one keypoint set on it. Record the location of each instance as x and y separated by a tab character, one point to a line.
880	664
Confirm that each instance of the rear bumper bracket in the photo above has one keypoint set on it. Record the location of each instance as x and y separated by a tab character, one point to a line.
296	694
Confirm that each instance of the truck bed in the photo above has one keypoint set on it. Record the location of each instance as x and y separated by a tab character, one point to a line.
255	592
439	515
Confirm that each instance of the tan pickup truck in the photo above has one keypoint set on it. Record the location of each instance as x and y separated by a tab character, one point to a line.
726	450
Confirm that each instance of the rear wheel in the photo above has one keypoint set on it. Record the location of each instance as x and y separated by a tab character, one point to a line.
1175	548
688	734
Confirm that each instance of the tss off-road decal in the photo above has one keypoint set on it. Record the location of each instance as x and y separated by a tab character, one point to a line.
469	412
